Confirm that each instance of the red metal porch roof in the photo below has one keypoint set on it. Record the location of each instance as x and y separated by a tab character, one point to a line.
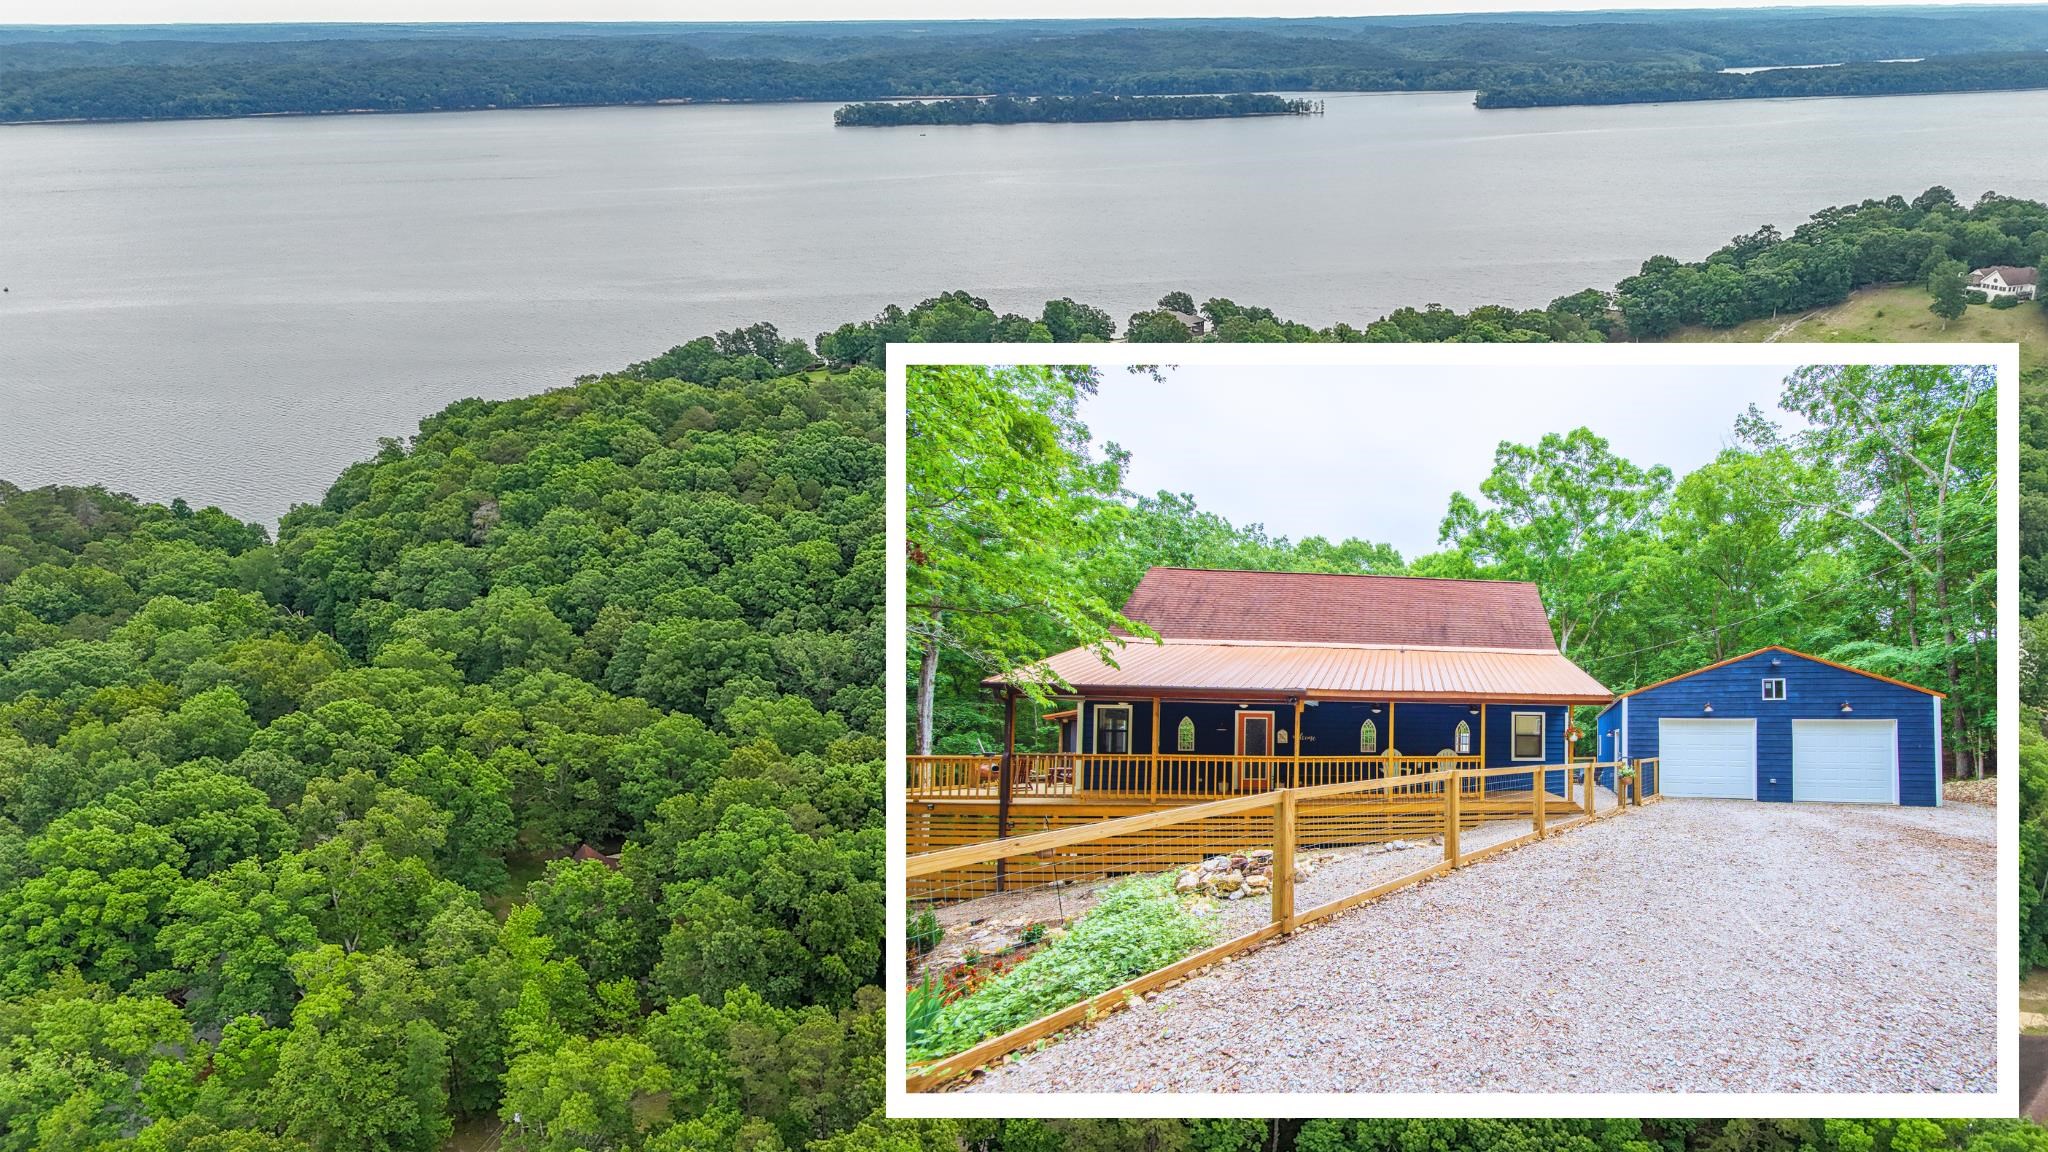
1330	672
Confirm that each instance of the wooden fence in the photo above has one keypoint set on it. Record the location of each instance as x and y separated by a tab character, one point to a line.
1285	821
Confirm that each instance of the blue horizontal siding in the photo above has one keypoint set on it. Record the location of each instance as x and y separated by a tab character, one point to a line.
1814	691
1331	728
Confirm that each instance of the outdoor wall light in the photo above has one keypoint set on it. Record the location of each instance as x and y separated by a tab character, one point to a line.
1707	708
1474	709
1375	709
1846	708
1775	661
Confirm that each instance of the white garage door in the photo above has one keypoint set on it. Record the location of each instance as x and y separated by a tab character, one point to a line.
1707	758
1852	760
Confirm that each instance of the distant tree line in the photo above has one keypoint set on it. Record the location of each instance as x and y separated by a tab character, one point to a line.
1764	273
1979	73
1065	109
89	77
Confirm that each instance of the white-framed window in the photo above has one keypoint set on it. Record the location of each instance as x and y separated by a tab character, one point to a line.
1774	687
1113	729
1369	738
1463	740
1184	734
1528	736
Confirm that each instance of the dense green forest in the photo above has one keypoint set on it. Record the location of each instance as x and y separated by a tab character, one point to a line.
150	74
1975	73
1066	109
284	823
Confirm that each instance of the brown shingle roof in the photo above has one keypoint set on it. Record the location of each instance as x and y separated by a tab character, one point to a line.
2008	273
1315	608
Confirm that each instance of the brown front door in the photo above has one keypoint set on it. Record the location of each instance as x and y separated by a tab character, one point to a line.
1254	738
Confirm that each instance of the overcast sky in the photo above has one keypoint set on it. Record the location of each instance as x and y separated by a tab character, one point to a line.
378	11
1376	452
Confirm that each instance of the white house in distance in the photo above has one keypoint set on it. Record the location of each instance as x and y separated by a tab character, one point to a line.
2005	280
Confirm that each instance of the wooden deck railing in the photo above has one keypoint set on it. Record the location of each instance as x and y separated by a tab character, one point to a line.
1107	776
1283	820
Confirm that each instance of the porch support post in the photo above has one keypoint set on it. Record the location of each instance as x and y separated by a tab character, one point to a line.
1482	749
1294	773
1154	787
1003	780
1391	746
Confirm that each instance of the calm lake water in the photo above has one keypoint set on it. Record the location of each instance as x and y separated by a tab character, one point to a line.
231	311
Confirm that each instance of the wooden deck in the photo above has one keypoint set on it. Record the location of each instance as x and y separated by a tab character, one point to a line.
1284	823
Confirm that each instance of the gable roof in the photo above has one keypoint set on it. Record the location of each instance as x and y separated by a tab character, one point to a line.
2007	273
1334	637
1319	608
1774	648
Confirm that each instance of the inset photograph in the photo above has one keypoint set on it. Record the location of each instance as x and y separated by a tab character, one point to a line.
1454	722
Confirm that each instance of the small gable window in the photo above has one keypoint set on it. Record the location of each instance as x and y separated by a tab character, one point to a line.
1184	736
1464	740
1774	688
1369	738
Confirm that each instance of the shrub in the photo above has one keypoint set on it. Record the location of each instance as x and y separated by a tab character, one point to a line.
923	933
2004	302
1138	926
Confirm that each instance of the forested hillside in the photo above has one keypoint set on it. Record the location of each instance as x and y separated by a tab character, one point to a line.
283	825
1981	72
177	72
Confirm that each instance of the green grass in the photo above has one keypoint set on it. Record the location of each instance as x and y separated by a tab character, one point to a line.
2034	1001
1896	314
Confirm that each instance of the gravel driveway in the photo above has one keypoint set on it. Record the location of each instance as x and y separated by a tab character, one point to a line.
1691	946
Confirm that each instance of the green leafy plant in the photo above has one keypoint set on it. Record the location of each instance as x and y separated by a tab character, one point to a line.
1033	934
923	933
1138	926
921	1009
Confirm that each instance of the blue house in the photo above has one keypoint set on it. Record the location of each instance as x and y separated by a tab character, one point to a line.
1775	724
1263	680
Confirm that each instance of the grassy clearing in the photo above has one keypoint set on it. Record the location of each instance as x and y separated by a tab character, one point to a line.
1138	926
1896	314
2034	1001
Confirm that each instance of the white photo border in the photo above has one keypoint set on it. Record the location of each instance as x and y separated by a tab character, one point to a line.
2001	1103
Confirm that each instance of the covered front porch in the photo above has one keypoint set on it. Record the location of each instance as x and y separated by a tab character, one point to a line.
1169	750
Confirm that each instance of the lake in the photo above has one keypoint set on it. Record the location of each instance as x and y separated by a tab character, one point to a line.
231	311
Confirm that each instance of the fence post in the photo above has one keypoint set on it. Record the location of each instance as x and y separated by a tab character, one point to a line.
1283	860
1452	787
1539	788
1590	773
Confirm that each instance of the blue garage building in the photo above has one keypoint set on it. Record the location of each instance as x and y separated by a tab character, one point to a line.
1775	724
